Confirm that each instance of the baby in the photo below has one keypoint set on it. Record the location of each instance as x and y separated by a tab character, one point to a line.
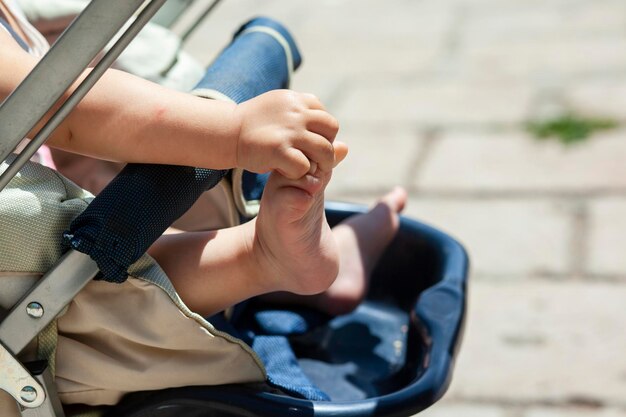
288	251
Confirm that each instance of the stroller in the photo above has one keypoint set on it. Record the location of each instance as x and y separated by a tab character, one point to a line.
392	356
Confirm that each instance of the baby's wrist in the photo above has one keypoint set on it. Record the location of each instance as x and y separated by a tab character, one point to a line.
235	121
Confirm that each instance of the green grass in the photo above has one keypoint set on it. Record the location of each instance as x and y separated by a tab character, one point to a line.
569	128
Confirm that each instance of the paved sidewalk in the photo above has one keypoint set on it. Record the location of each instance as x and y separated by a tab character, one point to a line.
433	95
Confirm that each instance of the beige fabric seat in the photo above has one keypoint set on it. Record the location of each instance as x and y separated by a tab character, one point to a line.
113	339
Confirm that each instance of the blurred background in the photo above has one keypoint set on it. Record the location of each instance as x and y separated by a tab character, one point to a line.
505	121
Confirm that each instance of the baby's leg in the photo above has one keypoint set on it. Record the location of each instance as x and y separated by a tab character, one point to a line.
361	240
288	247
293	235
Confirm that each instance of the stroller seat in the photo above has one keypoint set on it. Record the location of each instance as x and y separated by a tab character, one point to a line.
392	356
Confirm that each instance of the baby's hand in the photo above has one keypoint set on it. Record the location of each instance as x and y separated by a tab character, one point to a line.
285	131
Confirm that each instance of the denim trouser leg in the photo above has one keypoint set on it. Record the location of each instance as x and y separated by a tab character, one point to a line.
261	58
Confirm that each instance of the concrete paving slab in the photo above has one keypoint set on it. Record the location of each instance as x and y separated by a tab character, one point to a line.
575	412
506	239
514	161
380	157
604	97
362	59
505	22
543	342
607	239
437	103
443	409
494	4
531	59
425	21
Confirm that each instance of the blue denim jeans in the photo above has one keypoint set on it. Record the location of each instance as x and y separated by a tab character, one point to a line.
260	58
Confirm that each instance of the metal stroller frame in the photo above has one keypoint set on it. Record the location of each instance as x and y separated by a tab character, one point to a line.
31	384
102	19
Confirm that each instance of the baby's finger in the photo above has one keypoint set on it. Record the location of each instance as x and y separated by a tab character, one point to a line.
318	149
312	101
310	184
322	123
294	165
341	151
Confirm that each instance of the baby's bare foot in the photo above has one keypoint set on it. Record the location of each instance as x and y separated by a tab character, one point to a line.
296	248
361	241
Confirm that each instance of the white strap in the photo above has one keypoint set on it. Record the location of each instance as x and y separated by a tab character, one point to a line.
212	94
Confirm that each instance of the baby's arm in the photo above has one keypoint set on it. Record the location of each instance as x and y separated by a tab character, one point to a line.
125	118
